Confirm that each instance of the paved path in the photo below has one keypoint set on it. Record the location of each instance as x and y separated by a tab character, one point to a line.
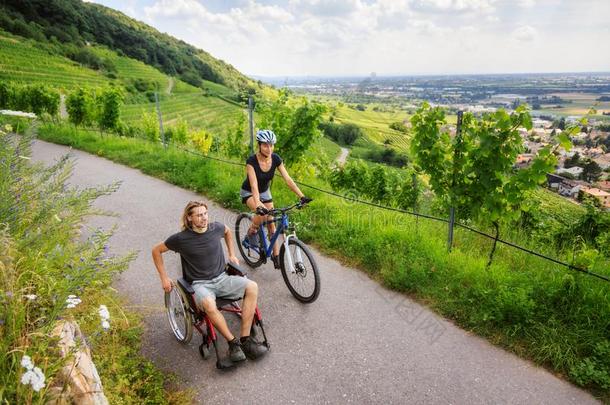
343	156
358	343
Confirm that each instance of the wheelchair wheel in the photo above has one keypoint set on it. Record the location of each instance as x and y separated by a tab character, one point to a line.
179	315
303	279
253	255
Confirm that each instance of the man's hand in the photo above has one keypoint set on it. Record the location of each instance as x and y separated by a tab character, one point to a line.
166	283
234	260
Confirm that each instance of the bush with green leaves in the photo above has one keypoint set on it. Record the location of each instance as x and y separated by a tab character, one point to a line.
392	187
80	105
109	108
37	98
345	134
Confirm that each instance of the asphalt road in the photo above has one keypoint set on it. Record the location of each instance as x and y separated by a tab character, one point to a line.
358	343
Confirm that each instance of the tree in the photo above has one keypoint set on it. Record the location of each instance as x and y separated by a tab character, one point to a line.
591	171
109	104
78	105
295	122
474	172
572	161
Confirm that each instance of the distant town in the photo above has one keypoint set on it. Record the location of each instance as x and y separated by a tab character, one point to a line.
556	100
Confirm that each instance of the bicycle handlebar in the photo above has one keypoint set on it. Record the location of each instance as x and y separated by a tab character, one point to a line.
279	211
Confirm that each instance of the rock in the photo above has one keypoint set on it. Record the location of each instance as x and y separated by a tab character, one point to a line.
78	381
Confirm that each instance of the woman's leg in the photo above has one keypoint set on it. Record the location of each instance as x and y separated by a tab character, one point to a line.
257	220
271	228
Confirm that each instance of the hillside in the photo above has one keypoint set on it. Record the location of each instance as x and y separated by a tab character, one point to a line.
73	23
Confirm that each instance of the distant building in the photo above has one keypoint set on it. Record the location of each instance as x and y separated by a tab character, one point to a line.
570	188
524	160
600	195
603	161
603	185
594	152
575	171
554	180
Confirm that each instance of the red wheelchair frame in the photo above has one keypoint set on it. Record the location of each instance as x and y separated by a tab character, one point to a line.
194	316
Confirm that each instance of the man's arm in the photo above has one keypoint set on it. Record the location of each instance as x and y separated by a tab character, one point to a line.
157	253
230	246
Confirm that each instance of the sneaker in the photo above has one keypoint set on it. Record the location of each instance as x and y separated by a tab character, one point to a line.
276	261
235	352
253	349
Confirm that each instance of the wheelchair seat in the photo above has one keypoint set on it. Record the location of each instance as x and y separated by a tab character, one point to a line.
231	269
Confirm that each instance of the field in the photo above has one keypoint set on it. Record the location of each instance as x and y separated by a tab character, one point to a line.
376	124
199	111
22	61
580	104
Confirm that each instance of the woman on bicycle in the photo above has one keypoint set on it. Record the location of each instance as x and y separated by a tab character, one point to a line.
256	189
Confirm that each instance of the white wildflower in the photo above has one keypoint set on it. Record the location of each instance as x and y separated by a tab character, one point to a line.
31	297
72	301
26	362
105	315
33	376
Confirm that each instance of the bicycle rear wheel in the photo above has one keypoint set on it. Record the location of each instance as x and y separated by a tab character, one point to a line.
303	279
253	255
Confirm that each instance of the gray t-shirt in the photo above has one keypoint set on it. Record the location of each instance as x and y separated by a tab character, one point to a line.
200	253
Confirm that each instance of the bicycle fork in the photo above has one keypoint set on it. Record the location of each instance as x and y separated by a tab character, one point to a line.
299	258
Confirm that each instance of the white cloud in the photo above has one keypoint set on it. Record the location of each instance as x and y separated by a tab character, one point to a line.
327	8
526	3
525	33
446	6
346	37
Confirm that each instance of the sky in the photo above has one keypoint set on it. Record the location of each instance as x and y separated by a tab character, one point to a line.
387	37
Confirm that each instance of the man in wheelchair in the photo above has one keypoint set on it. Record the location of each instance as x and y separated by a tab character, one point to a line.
203	265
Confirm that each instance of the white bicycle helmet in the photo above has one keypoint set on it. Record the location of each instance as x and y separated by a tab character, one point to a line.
266	136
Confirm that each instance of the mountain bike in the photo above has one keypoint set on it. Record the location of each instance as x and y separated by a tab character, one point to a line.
298	266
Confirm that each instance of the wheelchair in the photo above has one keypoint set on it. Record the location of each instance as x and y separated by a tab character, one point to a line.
183	314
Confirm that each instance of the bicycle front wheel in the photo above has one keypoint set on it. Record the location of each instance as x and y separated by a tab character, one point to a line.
300	271
252	253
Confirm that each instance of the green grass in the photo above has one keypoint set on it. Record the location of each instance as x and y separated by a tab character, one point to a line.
557	318
46	254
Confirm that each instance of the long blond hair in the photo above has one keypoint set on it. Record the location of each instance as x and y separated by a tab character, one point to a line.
185	223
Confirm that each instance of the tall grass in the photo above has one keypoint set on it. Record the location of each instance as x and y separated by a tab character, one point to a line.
557	318
46	256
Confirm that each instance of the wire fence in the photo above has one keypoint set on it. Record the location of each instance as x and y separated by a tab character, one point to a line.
420	215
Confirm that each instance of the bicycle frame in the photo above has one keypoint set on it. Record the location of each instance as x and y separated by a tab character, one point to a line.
283	225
